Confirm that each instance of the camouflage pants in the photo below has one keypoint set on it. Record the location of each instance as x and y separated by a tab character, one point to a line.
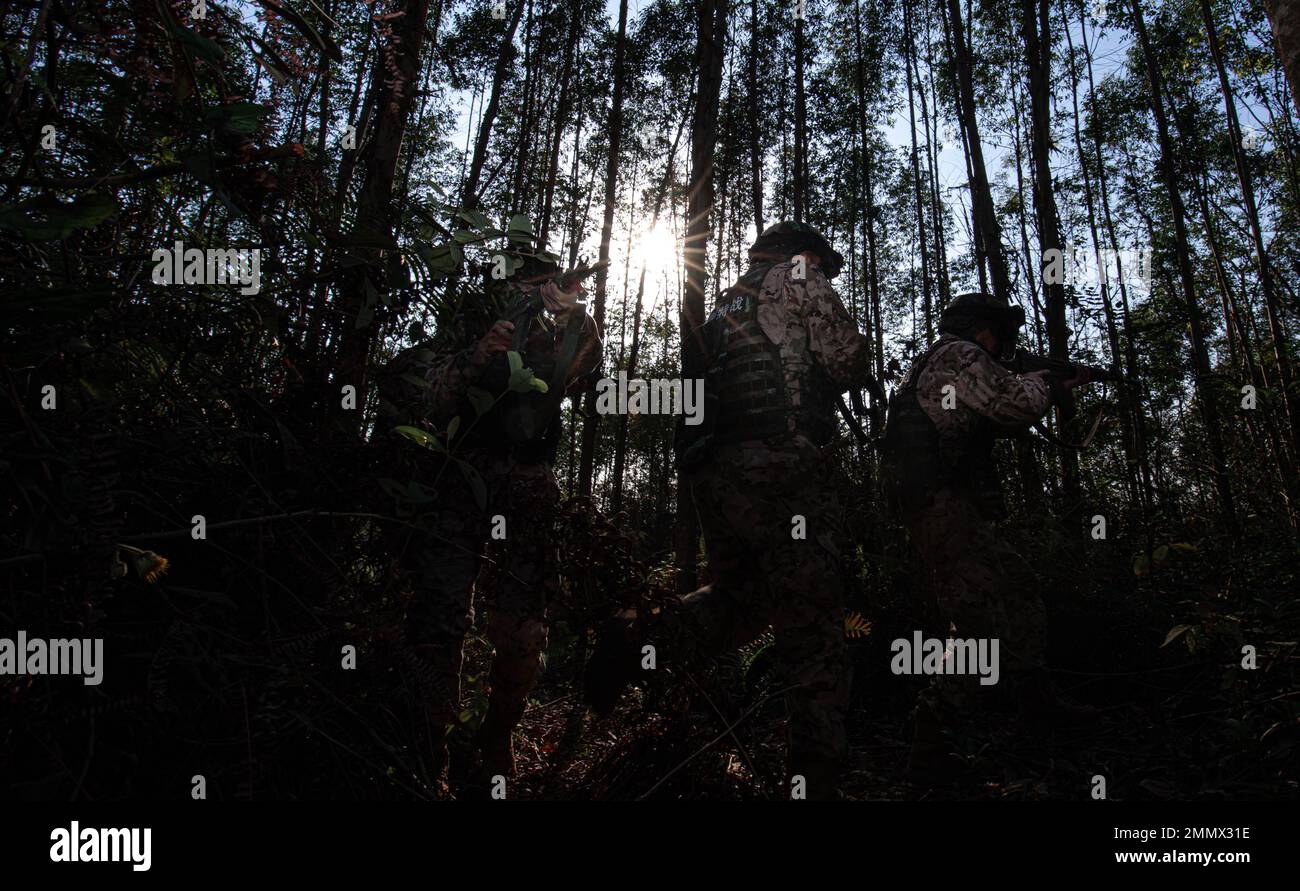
764	576
967	567
443	566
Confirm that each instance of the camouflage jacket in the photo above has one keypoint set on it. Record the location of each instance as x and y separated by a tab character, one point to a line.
452	372
943	420
819	346
983	391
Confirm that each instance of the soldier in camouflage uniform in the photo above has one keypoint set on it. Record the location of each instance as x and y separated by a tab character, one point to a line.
780	347
503	503
940	475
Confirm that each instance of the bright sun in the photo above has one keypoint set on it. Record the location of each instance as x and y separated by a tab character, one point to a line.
656	248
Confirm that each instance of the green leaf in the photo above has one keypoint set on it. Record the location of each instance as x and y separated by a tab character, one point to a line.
321	41
48	219
475	481
481	399
465	236
420	437
275	65
1174	633
198	44
474	218
1142	566
452	428
243	117
540	385
516	361
521	381
521	223
1160	554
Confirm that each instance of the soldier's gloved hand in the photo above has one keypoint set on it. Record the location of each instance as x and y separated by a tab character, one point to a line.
497	340
1080	378
560	302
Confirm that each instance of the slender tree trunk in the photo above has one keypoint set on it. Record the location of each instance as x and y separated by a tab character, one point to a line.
506	55
1209	406
1130	351
1266	282
756	130
606	233
561	119
988	234
396	71
710	47
1284	16
800	124
1038	54
868	184
1112	331
927	300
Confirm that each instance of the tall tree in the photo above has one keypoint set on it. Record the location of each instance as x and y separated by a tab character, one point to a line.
711	33
1272	310
1038	57
988	233
394	79
756	140
1205	395
606	233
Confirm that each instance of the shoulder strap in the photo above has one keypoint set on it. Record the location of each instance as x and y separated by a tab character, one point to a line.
568	349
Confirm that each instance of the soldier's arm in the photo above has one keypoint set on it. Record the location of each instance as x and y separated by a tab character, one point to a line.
1008	400
590	348
833	337
450	376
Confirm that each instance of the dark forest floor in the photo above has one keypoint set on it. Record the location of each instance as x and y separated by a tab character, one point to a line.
1182	721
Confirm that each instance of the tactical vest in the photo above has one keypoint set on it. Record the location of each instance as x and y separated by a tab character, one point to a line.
747	379
916	461
526	424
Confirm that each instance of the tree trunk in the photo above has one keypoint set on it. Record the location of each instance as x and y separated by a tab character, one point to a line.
395	74
1266	282
927	301
710	46
1038	55
506	55
1200	356
589	421
561	117
755	127
1284	16
988	234
800	123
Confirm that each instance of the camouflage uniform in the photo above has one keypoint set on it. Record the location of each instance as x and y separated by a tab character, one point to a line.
444	562
949	496
768	462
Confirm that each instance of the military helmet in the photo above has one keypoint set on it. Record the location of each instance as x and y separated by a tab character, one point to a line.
534	269
788	238
964	310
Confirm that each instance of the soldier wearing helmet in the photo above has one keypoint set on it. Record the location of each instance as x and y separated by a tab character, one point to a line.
780	347
940	476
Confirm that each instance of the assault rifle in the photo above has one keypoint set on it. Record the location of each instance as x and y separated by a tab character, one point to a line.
527	308
1024	362
875	414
